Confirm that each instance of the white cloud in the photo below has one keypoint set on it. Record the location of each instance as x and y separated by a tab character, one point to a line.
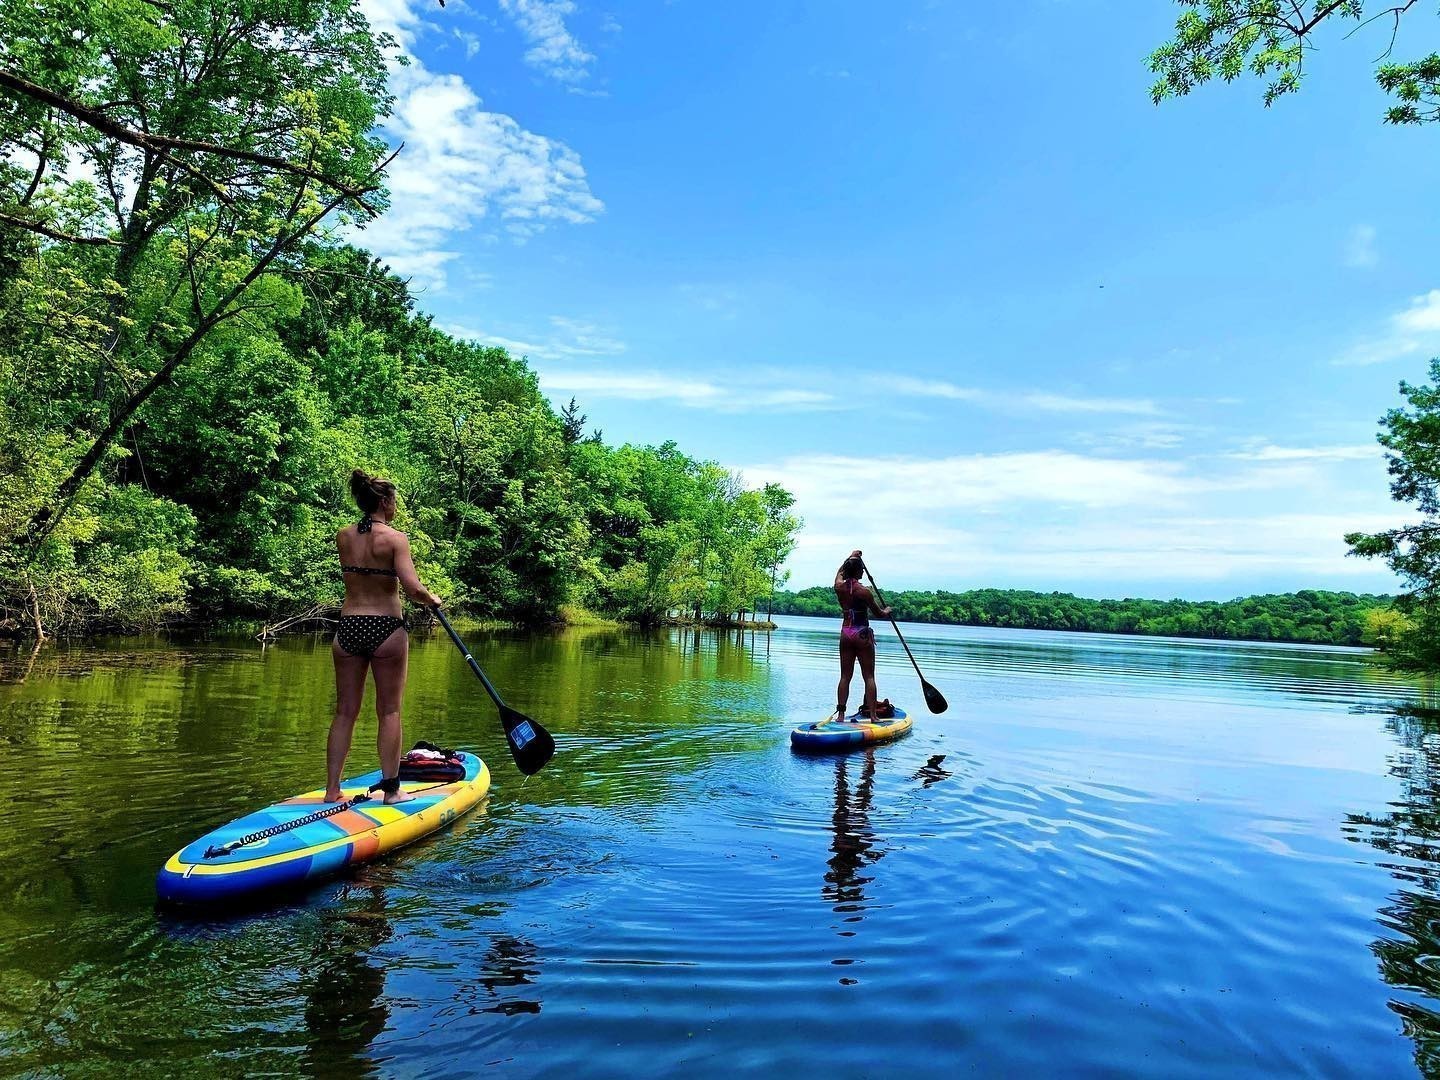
1360	251
1422	316
1309	453
753	393
469	40
905	487
568	339
719	299
1062	403
932	388
1138	435
1415	329
1053	519
394	17
553	49
1022	402
1134	555
461	165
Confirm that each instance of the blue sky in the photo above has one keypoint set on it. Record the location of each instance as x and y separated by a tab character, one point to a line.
941	269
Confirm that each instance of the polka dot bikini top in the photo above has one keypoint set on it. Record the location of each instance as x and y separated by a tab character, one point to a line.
374	571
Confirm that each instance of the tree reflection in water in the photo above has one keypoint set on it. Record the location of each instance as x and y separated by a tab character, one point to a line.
1410	961
344	1009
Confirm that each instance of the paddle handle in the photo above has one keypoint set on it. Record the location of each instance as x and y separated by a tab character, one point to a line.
881	597
465	652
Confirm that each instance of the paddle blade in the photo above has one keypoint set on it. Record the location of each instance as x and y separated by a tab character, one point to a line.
933	698
530	744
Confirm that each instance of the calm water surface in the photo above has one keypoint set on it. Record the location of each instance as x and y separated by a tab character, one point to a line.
1113	855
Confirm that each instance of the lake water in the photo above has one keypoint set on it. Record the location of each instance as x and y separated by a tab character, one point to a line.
1112	855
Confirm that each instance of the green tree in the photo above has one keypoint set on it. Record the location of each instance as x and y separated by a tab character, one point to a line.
1411	438
1270	39
781	528
215	137
1384	627
572	422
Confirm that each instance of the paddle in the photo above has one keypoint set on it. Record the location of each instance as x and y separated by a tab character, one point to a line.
933	698
530	744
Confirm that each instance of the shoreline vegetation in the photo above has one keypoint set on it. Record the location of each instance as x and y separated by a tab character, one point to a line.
1309	616
569	616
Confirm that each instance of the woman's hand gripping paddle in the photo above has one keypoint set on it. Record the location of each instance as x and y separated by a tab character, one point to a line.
933	698
530	744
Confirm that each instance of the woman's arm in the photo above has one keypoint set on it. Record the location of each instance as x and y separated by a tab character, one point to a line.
840	573
409	579
875	609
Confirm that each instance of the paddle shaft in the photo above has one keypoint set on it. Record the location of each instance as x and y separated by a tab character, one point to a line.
881	597
465	652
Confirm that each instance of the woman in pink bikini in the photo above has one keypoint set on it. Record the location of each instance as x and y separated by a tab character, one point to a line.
857	640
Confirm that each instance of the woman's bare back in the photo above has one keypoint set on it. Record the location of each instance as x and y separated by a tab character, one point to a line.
377	594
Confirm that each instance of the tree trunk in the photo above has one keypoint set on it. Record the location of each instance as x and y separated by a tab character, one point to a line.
35	611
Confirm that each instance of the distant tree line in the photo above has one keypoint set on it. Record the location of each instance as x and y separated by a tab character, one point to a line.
1311	615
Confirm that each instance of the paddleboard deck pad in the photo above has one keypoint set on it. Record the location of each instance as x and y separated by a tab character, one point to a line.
220	868
853	731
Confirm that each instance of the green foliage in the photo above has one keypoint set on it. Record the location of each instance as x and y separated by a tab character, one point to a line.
1332	618
672	534
1411	438
1269	39
213	138
1386	627
1417	86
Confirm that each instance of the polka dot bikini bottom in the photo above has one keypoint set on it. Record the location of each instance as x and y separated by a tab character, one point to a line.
361	635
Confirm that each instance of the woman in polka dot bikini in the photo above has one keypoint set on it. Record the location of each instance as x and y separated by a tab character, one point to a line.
372	635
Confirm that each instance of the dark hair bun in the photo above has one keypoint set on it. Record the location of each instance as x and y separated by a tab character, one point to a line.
369	491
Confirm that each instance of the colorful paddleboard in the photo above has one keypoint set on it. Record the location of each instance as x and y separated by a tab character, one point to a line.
853	731
261	852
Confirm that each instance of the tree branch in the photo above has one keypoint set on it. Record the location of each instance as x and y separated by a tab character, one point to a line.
42	156
158	144
56	234
1320	16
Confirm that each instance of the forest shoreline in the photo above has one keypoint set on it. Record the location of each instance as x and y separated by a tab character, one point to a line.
1303	617
1346	626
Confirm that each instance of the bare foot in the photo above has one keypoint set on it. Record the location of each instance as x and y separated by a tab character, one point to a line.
397	797
334	796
